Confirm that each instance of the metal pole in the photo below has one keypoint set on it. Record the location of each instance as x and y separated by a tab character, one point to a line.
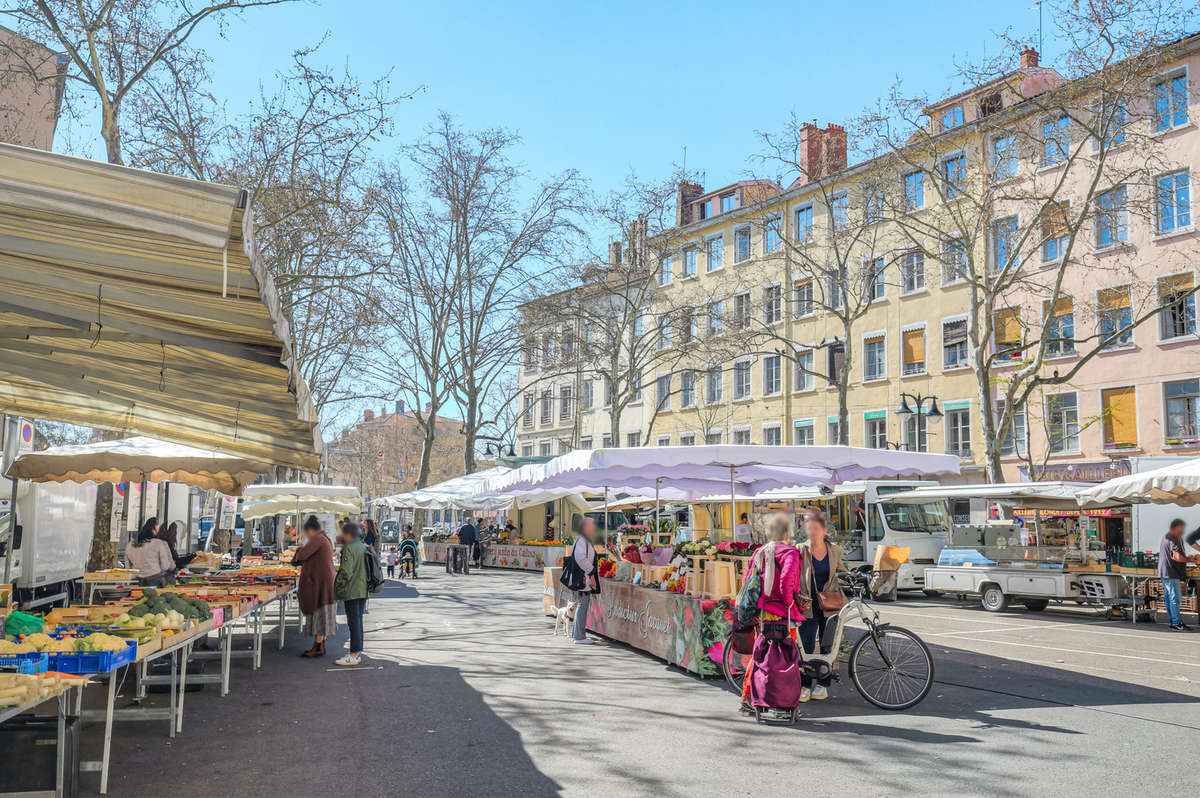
11	445
606	517
732	503
657	480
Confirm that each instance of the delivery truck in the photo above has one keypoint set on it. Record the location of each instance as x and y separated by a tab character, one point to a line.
50	542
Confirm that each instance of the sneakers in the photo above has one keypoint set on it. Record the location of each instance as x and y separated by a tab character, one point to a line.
819	693
1180	628
585	641
805	694
746	709
349	659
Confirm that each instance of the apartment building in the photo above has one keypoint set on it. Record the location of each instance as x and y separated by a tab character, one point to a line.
751	290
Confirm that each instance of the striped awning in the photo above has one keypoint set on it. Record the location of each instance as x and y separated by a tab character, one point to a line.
135	301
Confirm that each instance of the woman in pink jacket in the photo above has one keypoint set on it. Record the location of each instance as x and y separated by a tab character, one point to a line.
779	564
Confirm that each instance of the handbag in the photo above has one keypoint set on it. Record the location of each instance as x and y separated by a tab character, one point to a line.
573	577
743	637
830	601
748	597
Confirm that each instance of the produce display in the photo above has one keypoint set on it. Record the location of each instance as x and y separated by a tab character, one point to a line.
96	641
164	609
17	689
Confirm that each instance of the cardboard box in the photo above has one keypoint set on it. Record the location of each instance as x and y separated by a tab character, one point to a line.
890	558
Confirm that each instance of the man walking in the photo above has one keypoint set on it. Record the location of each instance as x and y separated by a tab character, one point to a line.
467	536
1172	570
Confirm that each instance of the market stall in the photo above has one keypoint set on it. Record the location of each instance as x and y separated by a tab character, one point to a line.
524	556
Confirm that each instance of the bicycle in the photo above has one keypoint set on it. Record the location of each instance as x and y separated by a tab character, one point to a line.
889	666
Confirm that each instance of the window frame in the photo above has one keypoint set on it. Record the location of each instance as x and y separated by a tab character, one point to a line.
867	431
906	264
873	337
904	330
771	426
1049	422
1053	133
913	201
772	304
691	261
666	269
800	375
839	210
1176	228
743	365
1114	446
769	363
1163	79
1119	218
1130	334
1181	440
809	424
966	360
1190	301
709	250
807	229
772	231
1011	161
950	188
738	232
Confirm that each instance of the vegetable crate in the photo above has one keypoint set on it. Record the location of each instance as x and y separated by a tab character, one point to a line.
34	662
93	661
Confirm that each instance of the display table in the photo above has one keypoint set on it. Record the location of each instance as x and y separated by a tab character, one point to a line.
523	556
683	630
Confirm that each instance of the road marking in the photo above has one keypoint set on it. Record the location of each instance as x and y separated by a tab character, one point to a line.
1091	653
981	631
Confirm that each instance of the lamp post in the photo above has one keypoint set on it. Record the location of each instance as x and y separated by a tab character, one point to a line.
916	410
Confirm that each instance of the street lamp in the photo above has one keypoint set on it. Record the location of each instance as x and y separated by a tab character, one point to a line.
918	400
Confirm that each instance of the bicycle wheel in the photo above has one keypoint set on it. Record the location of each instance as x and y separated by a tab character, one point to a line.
734	665
899	681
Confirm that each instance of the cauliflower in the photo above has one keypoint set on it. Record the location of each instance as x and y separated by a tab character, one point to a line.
38	640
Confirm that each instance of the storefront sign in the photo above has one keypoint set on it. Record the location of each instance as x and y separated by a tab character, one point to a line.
1097	471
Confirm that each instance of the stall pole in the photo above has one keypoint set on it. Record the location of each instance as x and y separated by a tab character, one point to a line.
657	480
11	444
606	516
732	503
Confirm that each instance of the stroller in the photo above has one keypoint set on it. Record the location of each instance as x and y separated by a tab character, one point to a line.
409	558
775	683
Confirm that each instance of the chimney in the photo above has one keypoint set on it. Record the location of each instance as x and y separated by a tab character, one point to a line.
614	253
368	415
1029	58
822	152
399	406
685	193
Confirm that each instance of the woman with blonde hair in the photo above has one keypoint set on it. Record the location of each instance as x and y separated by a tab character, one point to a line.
821	560
778	564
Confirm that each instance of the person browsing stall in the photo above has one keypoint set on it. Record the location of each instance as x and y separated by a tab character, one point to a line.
821	560
315	591
583	551
778	565
350	587
1172	572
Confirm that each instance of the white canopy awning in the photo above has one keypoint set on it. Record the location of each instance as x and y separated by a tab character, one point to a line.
1026	495
136	302
302	490
139	459
302	505
1178	483
453	494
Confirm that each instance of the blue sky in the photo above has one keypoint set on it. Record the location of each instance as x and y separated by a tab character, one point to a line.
606	87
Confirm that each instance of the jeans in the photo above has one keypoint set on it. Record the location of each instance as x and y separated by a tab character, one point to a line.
354	619
811	632
1171	599
579	627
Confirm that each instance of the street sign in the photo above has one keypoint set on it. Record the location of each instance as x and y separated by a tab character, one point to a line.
25	439
228	512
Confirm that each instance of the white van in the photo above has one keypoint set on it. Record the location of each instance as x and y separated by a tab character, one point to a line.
52	542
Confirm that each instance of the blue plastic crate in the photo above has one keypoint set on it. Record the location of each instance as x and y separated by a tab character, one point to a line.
34	662
93	661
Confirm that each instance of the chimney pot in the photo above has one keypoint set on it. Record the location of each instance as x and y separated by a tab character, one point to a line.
1029	57
368	415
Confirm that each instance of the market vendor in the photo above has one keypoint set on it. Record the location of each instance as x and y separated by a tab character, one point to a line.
315	591
150	556
742	533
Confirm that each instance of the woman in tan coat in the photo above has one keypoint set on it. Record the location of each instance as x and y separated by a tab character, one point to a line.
820	561
315	591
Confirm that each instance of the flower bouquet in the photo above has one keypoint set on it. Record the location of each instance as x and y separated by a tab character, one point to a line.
631	554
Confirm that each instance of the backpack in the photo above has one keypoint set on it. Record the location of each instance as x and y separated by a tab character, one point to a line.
749	595
374	572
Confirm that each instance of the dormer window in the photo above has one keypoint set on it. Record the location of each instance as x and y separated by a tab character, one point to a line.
952	117
704	209
728	202
991	104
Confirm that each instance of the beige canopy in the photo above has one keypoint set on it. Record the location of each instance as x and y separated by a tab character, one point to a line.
138	460
135	301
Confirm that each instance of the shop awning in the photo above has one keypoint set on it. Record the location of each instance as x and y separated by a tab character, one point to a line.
453	494
138	460
135	301
1178	483
1030	495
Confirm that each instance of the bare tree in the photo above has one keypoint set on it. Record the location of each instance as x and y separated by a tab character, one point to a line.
118	48
1043	183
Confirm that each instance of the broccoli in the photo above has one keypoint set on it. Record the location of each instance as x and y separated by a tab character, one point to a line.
149	593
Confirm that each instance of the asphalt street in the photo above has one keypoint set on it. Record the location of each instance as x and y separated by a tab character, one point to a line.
466	691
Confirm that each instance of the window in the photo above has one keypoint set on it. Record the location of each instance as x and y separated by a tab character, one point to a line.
712	387
1004	158
1178	315
585	443
954	344
687	389
606	441
772	435
544	449
664	270
564	402
913	351
563	447
662	392
547	406
958	432
873	204
839	210
715	252
991	104
804	375
639	326
1110	117
912	272
802	433
741	437
874	357
1170	102
527	415
773	237
633	439
689	262
772	375
954	175
802	298
833	431
741	379
588	396
835	292
687	439
704	209
1183	411
609	393
1056	230
1112	218
1115	317
1173	203
1062	422
772	305
952	117
954	261
547	350
741	311
1016	438
1119	411
687	325
527	450
913	184
664	332
1004	244
741	244
916	432
1056	140
530	352
835	358
635	387
662	440
1007	333
804	224
728	202
713	438
876	279
875	430
716	321
1060	331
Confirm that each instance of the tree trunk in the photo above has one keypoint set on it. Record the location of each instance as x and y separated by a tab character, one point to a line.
111	131
103	553
469	432
428	436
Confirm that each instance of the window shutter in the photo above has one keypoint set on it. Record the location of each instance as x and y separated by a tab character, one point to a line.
914	346
954	332
1176	284
1062	307
1056	219
1007	324
1120	416
1114	298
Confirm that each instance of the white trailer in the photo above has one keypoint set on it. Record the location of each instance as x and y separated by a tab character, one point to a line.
1151	521
53	538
